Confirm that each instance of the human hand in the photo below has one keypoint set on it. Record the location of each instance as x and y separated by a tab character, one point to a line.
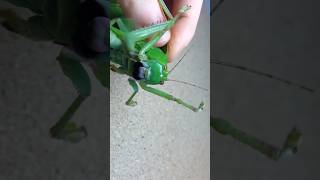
147	12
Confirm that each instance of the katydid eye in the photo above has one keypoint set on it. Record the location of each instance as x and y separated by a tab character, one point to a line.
138	72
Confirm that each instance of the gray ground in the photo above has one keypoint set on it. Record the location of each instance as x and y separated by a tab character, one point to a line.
281	38
159	139
34	94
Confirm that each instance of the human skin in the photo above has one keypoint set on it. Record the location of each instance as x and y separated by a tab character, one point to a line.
147	12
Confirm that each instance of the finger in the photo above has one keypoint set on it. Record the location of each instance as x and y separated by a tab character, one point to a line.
183	31
145	13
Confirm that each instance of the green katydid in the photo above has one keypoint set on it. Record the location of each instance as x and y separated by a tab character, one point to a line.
133	56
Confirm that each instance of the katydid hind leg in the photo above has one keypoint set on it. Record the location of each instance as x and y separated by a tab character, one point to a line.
157	36
165	9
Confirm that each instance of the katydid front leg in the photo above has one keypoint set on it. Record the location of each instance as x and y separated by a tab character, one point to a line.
135	88
170	97
132	83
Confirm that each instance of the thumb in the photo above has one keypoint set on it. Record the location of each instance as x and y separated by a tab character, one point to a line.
183	31
145	13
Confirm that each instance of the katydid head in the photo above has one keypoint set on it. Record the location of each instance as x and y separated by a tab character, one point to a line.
151	71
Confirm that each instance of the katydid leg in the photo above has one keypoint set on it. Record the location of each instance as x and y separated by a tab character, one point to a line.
131	37
119	70
170	97
135	88
158	35
165	9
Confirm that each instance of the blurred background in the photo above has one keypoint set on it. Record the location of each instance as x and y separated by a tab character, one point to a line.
279	37
34	93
